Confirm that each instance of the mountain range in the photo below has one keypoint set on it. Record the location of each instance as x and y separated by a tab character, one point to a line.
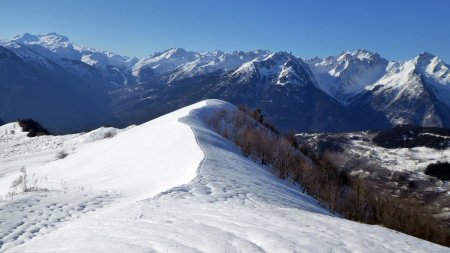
70	88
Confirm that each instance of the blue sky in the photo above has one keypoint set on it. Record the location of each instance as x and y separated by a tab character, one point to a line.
397	29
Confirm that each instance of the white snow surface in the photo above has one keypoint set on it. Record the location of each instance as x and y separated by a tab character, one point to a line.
169	185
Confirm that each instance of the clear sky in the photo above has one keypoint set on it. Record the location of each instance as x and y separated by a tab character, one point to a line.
397	29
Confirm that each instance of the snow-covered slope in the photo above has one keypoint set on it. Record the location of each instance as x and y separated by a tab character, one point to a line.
105	163
197	192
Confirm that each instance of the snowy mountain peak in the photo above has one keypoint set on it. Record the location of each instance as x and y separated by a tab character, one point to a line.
434	73
24	38
359	55
164	62
425	56
431	65
50	40
280	68
347	75
175	53
177	63
279	56
58	48
365	54
53	37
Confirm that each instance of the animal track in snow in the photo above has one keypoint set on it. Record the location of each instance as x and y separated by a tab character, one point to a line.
34	214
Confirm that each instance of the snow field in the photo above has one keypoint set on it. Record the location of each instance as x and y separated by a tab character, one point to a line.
217	200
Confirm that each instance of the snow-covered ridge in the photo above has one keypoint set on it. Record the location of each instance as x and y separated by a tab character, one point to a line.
180	63
55	46
205	186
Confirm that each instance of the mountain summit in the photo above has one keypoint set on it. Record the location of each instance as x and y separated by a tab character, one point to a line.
55	46
346	76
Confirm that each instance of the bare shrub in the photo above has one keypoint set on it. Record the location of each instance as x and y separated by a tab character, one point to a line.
22	184
290	137
405	215
281	153
319	177
33	127
108	135
257	115
61	154
216	120
440	170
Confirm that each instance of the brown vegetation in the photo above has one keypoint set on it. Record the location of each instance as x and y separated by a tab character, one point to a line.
61	154
350	196
109	135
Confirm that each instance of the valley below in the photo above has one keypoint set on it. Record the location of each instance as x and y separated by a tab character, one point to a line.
394	161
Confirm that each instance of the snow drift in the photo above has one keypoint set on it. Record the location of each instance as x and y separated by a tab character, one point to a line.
171	184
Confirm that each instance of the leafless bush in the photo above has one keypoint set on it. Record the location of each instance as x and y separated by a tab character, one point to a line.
277	151
352	197
380	207
215	121
22	184
61	154
108	135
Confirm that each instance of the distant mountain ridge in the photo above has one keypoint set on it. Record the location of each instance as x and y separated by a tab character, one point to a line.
352	91
61	47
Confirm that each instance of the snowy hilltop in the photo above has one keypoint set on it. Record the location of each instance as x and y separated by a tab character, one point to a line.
171	184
